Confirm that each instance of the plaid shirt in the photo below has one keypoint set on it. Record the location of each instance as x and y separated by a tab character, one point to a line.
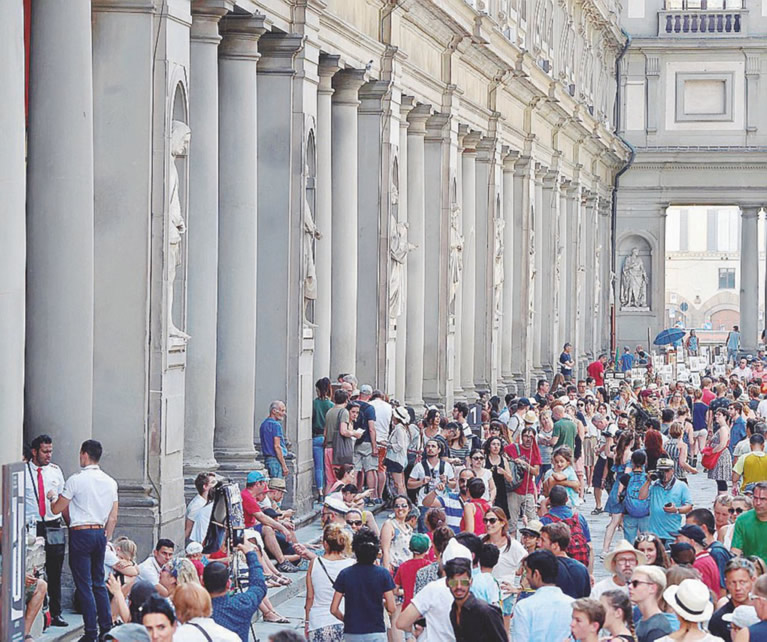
234	611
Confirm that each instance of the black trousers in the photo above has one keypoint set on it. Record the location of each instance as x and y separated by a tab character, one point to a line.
54	562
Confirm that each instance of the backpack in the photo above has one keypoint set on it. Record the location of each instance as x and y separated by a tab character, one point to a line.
428	471
632	505
579	547
517	472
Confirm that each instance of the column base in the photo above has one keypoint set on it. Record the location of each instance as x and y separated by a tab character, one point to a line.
459	395
236	464
140	515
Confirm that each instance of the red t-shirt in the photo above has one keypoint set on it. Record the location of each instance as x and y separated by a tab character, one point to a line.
708	396
596	369
249	508
405	577
709	571
533	457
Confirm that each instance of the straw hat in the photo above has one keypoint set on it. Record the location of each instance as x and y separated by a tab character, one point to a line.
623	547
690	600
530	417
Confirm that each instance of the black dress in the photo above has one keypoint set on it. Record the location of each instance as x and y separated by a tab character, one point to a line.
501	499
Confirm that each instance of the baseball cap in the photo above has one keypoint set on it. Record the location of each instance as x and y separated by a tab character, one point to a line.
336	505
128	633
366	389
419	543
693	532
524	401
743	616
255	476
193	548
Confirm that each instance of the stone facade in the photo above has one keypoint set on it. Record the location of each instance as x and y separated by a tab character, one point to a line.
416	192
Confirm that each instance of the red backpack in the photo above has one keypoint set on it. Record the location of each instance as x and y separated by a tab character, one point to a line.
579	547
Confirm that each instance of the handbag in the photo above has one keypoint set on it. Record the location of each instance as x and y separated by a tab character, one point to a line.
343	449
54	536
709	458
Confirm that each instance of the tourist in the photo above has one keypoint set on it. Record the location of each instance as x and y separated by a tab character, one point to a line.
395	460
131	632
750	531
669	500
405	576
646	590
366	445
603	465
704	518
732	344
756	632
451	502
546	614
555	509
738	426
721	470
690	601
587	620
566	363
339	437
596	369
619	616
159	619
235	610
525	456
395	536
471	618
739	577
517	420
614	505
620	562
193	610
320	625
458	446
91	499
320	408
440	539
35	590
636	512
678	452
499	467
150	569
383	421
545	441
723	519
477	465
573	577
752	467
475	509
565	429
273	447
431	473
203	484
563	474
704	563
743	617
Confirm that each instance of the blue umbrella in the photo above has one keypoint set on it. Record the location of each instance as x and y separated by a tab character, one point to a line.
669	335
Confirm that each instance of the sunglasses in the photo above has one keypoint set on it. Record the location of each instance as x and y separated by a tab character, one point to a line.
452	583
478	458
636	583
400	506
489	520
732	511
354	522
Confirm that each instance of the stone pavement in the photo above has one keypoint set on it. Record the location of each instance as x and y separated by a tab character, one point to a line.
289	600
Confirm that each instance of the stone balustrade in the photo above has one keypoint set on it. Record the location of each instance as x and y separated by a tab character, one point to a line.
693	23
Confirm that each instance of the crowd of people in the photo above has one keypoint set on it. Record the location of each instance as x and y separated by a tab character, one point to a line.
484	535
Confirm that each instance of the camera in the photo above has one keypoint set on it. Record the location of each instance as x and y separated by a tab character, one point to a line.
654	476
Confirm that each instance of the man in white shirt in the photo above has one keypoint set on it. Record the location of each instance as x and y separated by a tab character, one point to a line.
431	473
42	476
742	371
151	568
621	562
434	601
91	497
383	423
202	483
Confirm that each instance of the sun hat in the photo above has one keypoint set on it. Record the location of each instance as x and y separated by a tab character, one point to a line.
401	415
277	483
534	527
530	417
454	550
743	616
690	600
623	547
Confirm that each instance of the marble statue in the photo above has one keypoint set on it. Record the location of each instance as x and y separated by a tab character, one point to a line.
455	265
634	282
498	264
399	248
311	233
597	280
179	147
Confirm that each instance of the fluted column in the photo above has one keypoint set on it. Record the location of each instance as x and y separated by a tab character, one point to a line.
468	295
521	346
749	277
406	104
507	330
238	221
549	262
416	203
13	224
483	281
574	264
538	231
59	349
590	214
324	217
343	341
202	239
565	278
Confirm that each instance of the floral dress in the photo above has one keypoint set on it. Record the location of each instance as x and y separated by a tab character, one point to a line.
723	469
399	548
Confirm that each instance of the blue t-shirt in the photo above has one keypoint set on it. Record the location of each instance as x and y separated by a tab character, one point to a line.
565	512
363	586
699	410
453	505
367	413
271	428
733	339
564	358
738	433
573	578
626	361
663	524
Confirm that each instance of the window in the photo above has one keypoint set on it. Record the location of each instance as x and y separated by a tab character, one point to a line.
726	278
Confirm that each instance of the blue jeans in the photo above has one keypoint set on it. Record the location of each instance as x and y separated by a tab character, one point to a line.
732	355
318	453
273	466
634	525
86	560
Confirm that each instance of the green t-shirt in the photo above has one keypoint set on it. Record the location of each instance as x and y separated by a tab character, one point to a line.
750	535
564	433
320	408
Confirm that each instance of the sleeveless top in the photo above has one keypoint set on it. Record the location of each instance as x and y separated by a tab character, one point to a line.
481	506
672	449
399	548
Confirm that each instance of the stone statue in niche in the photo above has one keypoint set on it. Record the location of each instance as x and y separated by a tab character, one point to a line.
455	265
634	282
597	280
179	146
399	248
311	233
498	264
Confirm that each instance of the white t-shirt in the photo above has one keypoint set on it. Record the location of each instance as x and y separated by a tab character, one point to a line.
508	563
383	420
200	528
194	506
419	473
189	633
149	570
91	494
742	373
434	602
761	409
607	584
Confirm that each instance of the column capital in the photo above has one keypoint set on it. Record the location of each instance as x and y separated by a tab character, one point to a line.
749	211
417	118
371	94
406	105
469	139
574	190
205	18
328	66
240	37
346	84
278	53
510	160
436	125
539	172
486	148
551	179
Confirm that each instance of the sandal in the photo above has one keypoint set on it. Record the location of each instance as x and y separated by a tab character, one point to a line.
597	511
275	618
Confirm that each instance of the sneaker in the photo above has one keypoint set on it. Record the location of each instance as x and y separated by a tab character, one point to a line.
287	567
303	565
377	502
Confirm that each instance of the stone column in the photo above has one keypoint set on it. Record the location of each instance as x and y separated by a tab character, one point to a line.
13	223
324	218
485	244
574	267
343	341
416	203
59	349
202	239
507	330
589	244
468	295
406	104
565	276
238	220
538	230
521	347
550	276
749	278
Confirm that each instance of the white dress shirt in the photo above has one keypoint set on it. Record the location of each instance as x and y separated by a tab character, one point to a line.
53	479
91	494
